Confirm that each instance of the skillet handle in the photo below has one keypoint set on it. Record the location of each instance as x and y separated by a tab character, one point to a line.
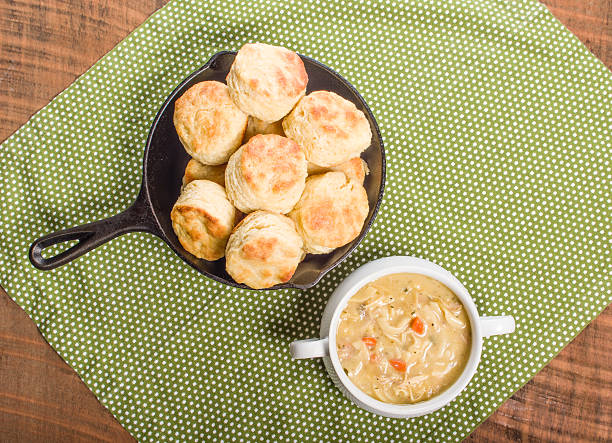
138	217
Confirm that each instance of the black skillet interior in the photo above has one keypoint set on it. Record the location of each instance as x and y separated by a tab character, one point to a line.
164	164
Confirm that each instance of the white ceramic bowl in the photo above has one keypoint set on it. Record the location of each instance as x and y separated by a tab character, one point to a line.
325	346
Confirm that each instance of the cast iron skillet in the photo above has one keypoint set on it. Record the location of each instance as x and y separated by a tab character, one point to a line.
164	164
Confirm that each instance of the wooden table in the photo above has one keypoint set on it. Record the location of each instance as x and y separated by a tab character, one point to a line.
45	45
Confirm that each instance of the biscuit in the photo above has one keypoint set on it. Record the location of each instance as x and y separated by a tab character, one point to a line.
330	213
198	171
263	250
330	129
266	81
256	126
356	168
268	172
203	218
209	125
313	169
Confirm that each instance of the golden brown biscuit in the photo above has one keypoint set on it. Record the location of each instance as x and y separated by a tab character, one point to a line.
198	171
330	129
203	218
208	123
266	81
263	250
269	172
330	212
256	126
356	168
315	169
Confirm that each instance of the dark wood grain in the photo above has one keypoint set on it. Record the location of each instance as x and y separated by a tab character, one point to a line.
44	46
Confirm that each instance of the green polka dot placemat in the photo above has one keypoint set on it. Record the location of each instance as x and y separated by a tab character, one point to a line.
497	127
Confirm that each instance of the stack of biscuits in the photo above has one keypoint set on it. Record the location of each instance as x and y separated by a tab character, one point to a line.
275	174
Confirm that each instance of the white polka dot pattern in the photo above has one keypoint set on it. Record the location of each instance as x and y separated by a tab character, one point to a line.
497	126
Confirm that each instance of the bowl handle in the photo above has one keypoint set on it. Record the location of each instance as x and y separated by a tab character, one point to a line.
137	217
310	348
503	324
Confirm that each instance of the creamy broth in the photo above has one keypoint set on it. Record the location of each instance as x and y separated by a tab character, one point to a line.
403	338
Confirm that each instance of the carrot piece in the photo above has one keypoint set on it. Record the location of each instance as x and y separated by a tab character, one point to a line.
417	325
373	357
369	341
398	365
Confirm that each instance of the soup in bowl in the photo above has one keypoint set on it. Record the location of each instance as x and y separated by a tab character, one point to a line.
401	337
